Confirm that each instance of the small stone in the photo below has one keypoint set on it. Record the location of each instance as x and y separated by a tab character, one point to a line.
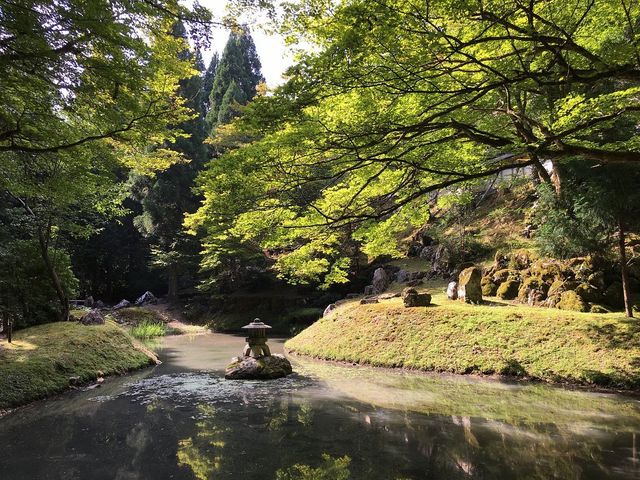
368	290
122	304
412	298
368	300
452	291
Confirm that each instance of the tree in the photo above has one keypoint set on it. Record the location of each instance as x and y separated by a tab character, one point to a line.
88	88
207	81
396	101
240	65
168	195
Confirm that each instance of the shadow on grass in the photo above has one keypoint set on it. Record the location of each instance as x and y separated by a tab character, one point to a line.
624	334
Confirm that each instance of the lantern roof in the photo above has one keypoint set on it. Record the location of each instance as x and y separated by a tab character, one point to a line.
256	324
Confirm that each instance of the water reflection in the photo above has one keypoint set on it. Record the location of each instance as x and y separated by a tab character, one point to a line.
326	422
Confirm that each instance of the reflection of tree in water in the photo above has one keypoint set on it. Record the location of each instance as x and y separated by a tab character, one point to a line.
202	452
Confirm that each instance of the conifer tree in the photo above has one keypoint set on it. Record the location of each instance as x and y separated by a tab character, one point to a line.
239	64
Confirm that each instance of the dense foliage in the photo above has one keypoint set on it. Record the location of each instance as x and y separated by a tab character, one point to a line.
89	89
395	101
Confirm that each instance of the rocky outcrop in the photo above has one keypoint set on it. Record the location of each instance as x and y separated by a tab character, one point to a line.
411	298
540	282
469	285
261	368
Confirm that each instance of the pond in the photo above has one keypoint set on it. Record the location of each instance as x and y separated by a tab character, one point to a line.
182	420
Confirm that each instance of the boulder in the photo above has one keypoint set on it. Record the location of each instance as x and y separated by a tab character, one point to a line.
94	317
261	368
380	280
368	290
146	298
570	300
532	284
330	308
508	290
402	276
99	304
502	275
613	295
122	304
469	285
411	298
535	297
441	261
589	293
489	287
89	302
428	252
414	249
595	308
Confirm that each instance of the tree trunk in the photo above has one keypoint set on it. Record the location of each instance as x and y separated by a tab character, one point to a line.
556	179
173	282
543	175
623	268
53	275
7	325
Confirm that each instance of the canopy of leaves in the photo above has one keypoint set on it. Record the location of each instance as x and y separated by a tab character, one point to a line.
397	100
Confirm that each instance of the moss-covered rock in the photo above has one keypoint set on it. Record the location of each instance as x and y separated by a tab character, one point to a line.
613	295
489	287
589	293
570	300
508	290
502	275
547	271
595	308
529	284
469	285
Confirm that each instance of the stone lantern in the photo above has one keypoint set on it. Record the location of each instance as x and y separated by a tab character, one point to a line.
256	362
256	339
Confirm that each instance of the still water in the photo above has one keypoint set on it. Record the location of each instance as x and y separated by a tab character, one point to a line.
182	420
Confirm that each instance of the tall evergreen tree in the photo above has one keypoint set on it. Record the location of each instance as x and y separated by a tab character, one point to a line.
207	81
240	65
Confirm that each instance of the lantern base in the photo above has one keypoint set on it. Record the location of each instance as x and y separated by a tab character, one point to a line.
260	368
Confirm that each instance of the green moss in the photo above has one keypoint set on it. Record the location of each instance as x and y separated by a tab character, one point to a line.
42	359
541	343
570	300
508	290
489	287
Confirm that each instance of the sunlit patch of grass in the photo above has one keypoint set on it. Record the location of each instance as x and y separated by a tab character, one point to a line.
149	329
42	359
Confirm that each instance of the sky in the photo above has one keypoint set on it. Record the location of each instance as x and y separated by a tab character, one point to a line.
271	48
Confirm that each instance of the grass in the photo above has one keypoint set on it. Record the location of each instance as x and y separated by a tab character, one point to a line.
148	329
498	338
42	359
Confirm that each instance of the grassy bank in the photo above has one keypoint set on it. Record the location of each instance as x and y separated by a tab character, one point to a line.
41	360
498	338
